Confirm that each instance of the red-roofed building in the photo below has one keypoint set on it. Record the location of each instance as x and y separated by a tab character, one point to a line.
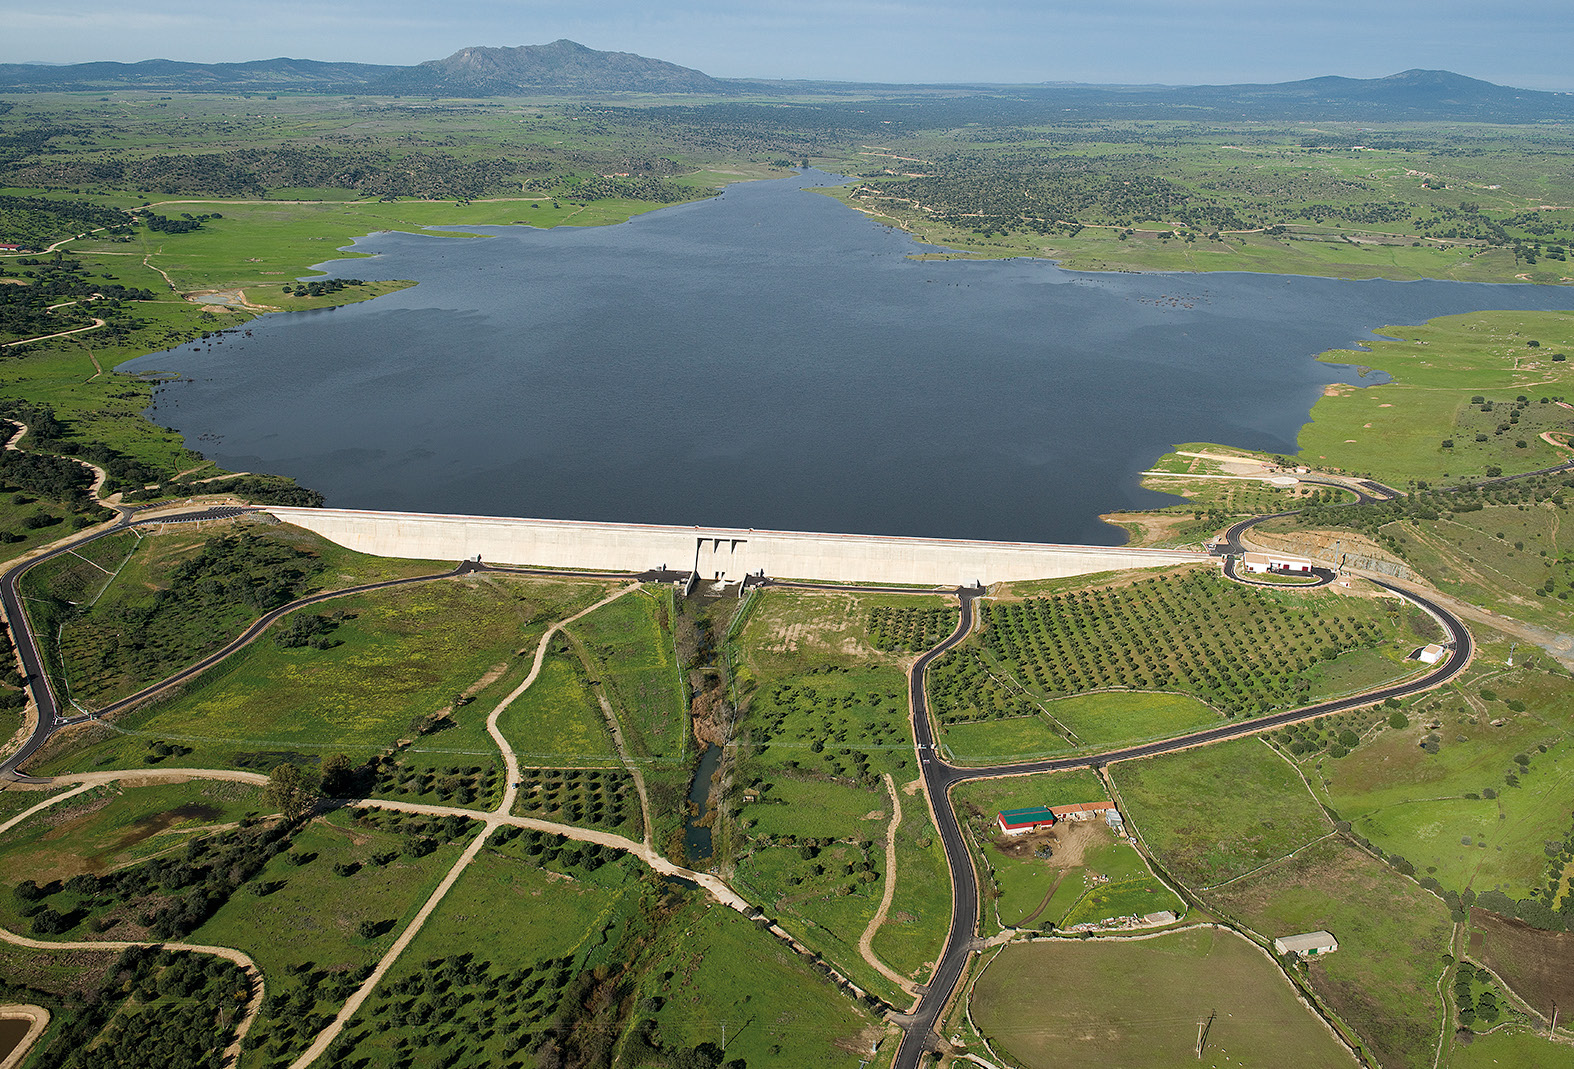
1080	811
1022	821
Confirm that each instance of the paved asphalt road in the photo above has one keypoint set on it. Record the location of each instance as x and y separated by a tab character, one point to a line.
50	719
37	680
939	776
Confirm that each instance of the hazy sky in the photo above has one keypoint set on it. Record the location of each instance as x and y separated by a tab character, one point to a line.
1528	43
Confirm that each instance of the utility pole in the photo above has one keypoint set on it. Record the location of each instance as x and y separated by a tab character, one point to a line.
724	1037
1512	646
1203	1028
1552	1033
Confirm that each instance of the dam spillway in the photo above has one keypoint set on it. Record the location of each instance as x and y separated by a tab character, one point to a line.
730	554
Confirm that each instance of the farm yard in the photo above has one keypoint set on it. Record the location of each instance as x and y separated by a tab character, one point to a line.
1076	873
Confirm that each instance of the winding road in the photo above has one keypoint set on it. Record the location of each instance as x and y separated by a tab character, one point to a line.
939	775
50	720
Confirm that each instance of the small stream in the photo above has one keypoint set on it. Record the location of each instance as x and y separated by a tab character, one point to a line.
696	839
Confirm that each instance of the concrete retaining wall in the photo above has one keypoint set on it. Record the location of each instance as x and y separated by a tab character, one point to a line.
714	552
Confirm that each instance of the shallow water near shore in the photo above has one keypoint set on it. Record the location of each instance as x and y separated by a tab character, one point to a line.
771	359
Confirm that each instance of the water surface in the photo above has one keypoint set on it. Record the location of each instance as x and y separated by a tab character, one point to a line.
771	359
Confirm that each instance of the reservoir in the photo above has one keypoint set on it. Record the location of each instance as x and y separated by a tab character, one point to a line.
771	359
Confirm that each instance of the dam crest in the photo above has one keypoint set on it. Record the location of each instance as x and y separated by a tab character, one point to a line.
716	553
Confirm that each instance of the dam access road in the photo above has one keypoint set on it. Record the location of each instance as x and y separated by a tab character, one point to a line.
939	776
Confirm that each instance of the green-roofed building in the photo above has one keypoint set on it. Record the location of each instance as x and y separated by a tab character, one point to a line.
1022	821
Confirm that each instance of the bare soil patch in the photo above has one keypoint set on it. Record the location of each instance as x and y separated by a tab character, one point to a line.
1532	962
493	674
1068	842
1152	528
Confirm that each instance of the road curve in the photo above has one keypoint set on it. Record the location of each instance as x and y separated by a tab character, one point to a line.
937	776
50	719
33	673
940	776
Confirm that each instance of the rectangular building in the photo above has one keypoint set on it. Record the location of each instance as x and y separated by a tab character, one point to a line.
1081	811
1309	944
1279	563
1022	821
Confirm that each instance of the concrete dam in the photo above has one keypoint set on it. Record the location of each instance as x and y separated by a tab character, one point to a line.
713	553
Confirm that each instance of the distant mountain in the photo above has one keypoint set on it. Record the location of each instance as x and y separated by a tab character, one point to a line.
1412	94
567	68
562	66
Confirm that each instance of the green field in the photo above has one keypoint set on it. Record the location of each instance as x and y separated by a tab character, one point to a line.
777	1012
1183	979
524	938
297	907
1383	980
1515	1045
111	827
305	933
629	641
1216	813
557	721
628	647
1103	720
404	655
920	911
509	938
1442	798
1396	430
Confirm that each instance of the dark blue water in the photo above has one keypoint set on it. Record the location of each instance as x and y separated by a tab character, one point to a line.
771	359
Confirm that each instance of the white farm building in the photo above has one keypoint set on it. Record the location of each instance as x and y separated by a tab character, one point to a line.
1308	945
1279	563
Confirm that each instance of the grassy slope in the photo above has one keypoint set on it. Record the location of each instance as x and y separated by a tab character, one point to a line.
110	827
1236	817
1217	813
1382	981
1417	804
1395	430
404	656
